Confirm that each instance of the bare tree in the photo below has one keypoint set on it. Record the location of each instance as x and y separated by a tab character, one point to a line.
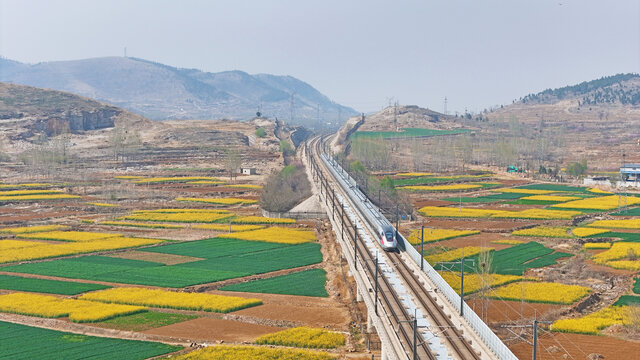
232	162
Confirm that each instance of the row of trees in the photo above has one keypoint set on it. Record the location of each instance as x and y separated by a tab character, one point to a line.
285	189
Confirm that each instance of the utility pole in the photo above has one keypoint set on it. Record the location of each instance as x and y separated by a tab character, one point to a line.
395	115
375	304
422	248
534	327
462	286
342	220
355	246
461	262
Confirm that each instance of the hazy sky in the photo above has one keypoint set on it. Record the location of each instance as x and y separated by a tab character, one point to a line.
359	53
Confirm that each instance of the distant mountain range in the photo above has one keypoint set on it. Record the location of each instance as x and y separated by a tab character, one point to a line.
162	92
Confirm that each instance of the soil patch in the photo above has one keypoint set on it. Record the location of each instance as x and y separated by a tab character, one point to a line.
482	239
418	203
509	311
578	346
602	268
316	312
210	329
167	259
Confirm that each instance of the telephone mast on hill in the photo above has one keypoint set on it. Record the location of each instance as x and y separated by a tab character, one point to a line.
445	105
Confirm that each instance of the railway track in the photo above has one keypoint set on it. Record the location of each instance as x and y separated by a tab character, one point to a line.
415	347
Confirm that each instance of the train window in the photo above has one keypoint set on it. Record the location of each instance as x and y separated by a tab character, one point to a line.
389	236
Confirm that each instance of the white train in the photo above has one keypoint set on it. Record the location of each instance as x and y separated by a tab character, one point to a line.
387	237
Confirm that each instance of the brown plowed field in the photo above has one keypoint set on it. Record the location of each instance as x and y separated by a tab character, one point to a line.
210	329
505	311
167	259
576	346
311	311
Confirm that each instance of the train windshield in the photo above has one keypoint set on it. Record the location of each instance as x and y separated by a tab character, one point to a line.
389	236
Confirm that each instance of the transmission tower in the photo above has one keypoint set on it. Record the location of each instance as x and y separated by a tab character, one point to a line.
395	115
445	105
292	106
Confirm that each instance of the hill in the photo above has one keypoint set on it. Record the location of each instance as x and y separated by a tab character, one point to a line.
595	120
162	92
616	89
394	120
53	112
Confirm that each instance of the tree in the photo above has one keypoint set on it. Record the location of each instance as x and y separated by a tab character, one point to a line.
577	168
232	162
285	189
286	148
260	132
116	140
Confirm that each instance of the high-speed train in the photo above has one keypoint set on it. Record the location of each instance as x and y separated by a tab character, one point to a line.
387	237
385	232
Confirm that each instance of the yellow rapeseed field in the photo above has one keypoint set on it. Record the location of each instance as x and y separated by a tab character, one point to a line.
102	204
171	299
37	197
68	235
618	224
542	292
275	234
451	187
455	254
597	203
618	251
507	242
32	229
142	225
226	227
304	337
437	234
17	244
53	307
543	214
550	198
245	186
436	211
525	191
174	211
598	191
28	192
219	201
28	185
128	177
595	322
601	245
44	250
543	231
584	232
262	220
631	265
237	352
474	282
186	216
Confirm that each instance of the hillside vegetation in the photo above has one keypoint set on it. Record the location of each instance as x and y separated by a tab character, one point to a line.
621	88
